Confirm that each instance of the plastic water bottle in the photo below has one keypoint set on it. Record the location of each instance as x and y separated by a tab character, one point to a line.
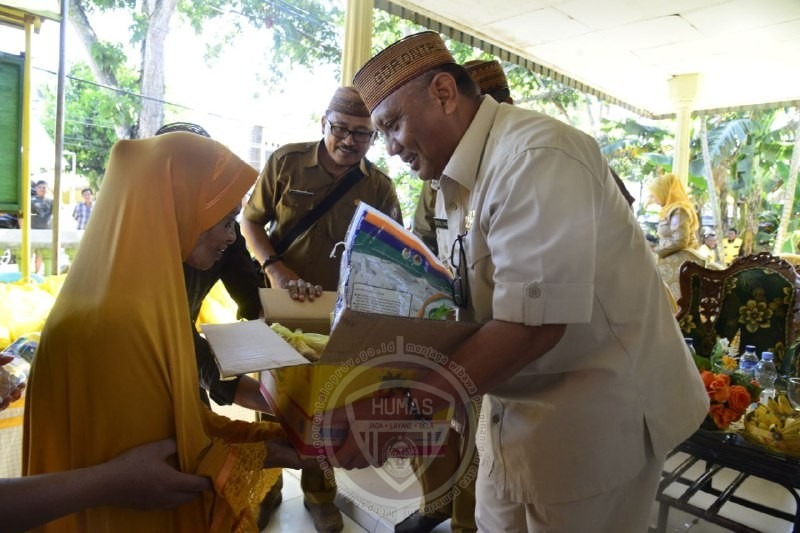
16	371
766	374
748	361
690	344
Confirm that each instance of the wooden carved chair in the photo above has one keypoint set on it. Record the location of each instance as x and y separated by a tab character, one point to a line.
758	295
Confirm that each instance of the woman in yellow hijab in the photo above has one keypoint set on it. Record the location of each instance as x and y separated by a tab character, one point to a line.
677	230
115	366
678	225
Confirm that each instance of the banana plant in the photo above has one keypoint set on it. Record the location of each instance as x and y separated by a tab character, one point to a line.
789	191
758	171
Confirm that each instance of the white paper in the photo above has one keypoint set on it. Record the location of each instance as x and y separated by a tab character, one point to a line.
249	346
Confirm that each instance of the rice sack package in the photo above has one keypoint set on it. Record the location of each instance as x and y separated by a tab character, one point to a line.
388	270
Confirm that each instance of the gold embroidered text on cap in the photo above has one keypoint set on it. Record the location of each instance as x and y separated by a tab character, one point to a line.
489	75
347	101
398	64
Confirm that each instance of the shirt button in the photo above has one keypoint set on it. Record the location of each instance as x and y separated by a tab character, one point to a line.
495	419
534	291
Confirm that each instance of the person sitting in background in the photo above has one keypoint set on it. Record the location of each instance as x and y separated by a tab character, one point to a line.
115	367
677	230
731	246
83	210
709	248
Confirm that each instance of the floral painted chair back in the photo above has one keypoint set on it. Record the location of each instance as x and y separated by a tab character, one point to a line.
758	295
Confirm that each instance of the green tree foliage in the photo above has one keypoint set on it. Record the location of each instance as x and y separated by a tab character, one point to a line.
749	155
92	113
303	32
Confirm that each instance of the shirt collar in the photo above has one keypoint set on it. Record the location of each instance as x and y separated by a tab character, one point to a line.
463	164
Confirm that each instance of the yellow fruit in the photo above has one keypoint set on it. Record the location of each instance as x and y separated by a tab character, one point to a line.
784	407
773	405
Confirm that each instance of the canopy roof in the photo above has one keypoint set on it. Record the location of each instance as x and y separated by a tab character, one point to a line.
747	52
12	12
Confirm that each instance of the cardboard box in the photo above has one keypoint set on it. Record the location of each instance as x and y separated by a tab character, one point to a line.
311	317
366	355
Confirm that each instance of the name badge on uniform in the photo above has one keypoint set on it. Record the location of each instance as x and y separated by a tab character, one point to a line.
440	223
301	192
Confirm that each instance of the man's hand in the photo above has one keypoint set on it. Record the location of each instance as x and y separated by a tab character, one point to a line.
302	290
364	447
141	478
284	277
281	454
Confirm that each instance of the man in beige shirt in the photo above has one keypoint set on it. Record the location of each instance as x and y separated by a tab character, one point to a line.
586	380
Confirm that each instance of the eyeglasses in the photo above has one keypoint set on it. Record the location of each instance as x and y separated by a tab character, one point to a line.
359	136
458	260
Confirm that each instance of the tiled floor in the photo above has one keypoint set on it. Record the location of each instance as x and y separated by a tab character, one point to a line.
364	510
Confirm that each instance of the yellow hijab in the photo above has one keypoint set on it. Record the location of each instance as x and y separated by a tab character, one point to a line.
670	194
115	366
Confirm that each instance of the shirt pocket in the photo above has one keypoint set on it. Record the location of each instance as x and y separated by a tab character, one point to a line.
297	201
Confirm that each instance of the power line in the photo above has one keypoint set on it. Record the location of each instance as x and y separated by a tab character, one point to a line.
137	95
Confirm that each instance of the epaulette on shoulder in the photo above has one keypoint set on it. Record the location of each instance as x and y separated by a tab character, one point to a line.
374	169
293	148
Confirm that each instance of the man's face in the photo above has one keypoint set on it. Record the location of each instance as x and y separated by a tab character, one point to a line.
415	126
41	190
87	197
731	235
711	242
342	147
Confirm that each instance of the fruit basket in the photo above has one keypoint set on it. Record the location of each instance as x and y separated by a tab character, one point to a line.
775	425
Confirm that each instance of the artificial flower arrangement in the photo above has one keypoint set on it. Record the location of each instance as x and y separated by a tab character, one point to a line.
730	391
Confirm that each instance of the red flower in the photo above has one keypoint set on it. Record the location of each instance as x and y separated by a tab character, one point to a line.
728	402
739	398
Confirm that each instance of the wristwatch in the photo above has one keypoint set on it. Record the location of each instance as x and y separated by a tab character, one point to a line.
271	259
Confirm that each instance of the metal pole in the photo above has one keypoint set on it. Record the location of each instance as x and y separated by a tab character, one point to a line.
25	223
59	137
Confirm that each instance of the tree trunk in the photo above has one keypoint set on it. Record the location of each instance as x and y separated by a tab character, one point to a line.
710	185
788	192
159	13
88	37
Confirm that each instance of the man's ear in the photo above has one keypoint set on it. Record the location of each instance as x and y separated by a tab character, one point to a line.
445	91
322	120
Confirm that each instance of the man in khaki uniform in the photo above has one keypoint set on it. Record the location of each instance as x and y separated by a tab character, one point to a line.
491	78
458	505
296	179
577	361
